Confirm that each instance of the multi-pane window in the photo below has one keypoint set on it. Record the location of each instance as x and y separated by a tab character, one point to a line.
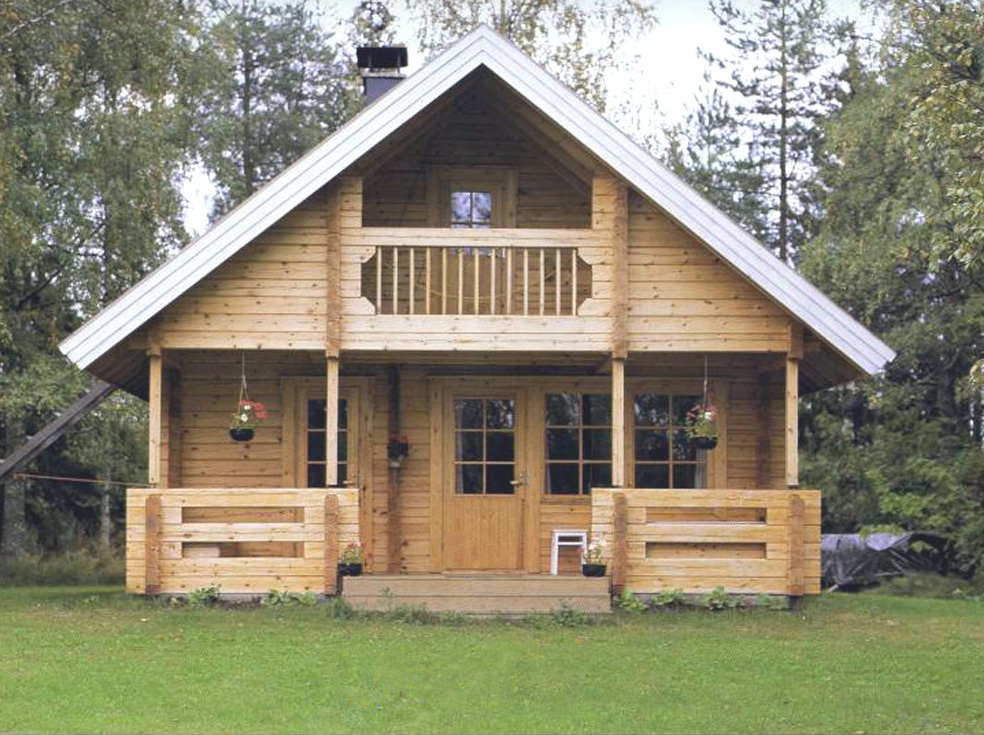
665	457
578	442
316	442
471	209
484	446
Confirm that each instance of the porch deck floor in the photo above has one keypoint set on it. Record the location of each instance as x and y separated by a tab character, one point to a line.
479	593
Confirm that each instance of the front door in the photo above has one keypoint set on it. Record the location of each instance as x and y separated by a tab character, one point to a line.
484	481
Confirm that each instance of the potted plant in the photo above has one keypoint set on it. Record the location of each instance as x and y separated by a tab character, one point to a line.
246	419
351	560
702	426
593	560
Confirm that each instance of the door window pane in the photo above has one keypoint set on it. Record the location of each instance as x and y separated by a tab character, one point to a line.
317	442
485	446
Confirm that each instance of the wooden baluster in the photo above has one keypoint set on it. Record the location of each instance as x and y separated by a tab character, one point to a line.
396	280
461	281
427	279
557	281
413	278
543	281
526	282
509	280
379	280
477	260
495	254
573	281
444	281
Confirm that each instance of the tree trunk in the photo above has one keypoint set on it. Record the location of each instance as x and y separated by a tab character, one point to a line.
105	519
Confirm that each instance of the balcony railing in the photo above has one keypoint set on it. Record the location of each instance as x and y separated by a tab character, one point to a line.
477	273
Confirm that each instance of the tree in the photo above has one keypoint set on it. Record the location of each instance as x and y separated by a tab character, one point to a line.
579	42
94	136
278	85
706	149
902	451
778	51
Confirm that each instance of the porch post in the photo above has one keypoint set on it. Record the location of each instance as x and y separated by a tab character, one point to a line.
793	357
331	423
155	398
618	422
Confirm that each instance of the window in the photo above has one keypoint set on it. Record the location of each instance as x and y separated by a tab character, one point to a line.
664	454
484	446
471	209
578	442
315	460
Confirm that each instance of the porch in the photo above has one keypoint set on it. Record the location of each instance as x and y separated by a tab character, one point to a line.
249	541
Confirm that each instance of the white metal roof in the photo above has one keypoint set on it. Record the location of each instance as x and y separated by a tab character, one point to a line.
482	47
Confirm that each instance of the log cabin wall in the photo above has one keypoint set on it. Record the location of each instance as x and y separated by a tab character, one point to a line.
683	298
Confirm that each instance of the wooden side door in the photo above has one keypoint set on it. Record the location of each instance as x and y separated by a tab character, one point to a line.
484	481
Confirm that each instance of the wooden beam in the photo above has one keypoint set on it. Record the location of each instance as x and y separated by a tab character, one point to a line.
333	272
331	422
610	214
620	552
331	544
152	544
795	339
792	422
796	543
618	422
155	398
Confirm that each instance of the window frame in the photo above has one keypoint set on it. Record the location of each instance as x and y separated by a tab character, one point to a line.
500	181
580	428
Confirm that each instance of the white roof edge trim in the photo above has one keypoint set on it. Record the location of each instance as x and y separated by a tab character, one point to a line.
480	47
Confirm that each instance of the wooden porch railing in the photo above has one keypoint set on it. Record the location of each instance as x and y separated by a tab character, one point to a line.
746	541
244	541
479	273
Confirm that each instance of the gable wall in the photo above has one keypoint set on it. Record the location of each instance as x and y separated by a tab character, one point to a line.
682	297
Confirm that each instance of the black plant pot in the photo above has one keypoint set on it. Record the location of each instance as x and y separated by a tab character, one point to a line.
241	435
350	570
593	570
705	442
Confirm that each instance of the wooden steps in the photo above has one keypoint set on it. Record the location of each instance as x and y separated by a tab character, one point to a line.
479	594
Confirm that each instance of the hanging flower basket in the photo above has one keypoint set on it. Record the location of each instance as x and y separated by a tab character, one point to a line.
702	426
593	560
248	415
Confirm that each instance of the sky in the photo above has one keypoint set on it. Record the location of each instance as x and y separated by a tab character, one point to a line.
662	86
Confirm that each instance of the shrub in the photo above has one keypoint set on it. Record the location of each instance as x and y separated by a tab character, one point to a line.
204	597
668	598
83	567
630	603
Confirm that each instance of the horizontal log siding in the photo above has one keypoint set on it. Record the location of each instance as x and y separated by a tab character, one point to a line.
684	298
270	295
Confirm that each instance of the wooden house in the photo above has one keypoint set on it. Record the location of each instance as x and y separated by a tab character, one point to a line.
480	264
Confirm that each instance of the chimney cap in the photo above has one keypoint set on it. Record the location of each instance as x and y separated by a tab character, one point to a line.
381	57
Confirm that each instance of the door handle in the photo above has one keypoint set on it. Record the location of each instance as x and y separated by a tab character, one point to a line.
521	480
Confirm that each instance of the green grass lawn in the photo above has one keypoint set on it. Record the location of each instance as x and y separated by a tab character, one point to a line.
92	660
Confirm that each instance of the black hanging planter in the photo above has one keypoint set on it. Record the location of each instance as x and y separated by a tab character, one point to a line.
594	570
350	570
241	435
705	442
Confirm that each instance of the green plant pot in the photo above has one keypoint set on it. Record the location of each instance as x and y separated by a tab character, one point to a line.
705	442
350	570
241	435
594	570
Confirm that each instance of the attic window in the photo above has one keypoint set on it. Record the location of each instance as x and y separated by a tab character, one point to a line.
471	209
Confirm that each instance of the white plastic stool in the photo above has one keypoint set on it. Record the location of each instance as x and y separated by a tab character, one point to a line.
565	537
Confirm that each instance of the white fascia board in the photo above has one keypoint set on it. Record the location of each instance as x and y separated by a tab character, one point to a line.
398	106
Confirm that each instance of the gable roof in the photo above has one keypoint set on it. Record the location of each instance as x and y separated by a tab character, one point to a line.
481	47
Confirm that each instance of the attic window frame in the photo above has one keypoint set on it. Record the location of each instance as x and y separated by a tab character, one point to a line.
500	181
